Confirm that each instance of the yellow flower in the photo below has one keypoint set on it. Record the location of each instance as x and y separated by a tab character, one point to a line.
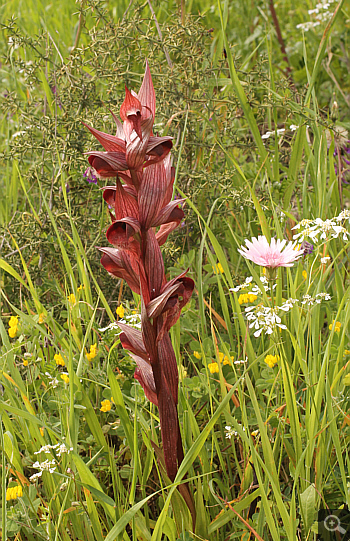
197	355
93	352
120	311
336	324
12	331
218	268
71	298
59	360
12	493
13	321
106	405
80	288
183	372
213	368
13	326
41	318
224	358
65	378
41	431
346	352
271	360
25	363
304	274
246	297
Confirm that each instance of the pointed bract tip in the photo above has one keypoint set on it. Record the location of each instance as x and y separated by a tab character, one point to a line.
130	106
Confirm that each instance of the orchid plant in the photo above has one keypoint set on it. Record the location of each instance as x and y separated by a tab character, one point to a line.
141	198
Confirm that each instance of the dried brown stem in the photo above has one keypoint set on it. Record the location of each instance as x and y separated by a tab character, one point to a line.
279	37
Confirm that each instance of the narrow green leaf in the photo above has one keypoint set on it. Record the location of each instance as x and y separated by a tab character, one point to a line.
47	90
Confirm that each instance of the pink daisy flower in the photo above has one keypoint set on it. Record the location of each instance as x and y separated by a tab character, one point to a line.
276	254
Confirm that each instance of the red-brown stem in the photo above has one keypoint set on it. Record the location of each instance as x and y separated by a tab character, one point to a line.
279	37
134	178
157	374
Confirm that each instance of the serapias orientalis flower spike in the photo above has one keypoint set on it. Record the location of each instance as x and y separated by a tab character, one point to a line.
144	215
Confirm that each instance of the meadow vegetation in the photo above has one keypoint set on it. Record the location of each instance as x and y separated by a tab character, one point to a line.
256	96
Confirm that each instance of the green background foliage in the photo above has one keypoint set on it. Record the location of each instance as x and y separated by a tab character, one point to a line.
221	81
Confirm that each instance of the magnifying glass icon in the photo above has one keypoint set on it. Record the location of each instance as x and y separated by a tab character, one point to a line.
332	524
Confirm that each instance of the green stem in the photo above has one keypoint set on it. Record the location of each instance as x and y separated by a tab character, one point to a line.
3	463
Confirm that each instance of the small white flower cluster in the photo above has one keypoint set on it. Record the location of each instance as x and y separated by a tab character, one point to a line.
112	325
244	285
306	26
60	449
134	320
324	260
53	382
268	134
288	304
230	432
271	133
255	289
320	13
344	215
310	301
47	465
320	6
325	16
241	361
324	228
264	318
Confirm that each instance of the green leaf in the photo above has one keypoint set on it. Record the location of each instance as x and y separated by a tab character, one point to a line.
126	518
90	481
100	496
10	270
121	409
47	90
201	513
308	506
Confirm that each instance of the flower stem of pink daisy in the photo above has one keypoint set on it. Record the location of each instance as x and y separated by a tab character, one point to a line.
271	274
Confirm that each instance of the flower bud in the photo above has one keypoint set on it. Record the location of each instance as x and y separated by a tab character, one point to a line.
334	111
